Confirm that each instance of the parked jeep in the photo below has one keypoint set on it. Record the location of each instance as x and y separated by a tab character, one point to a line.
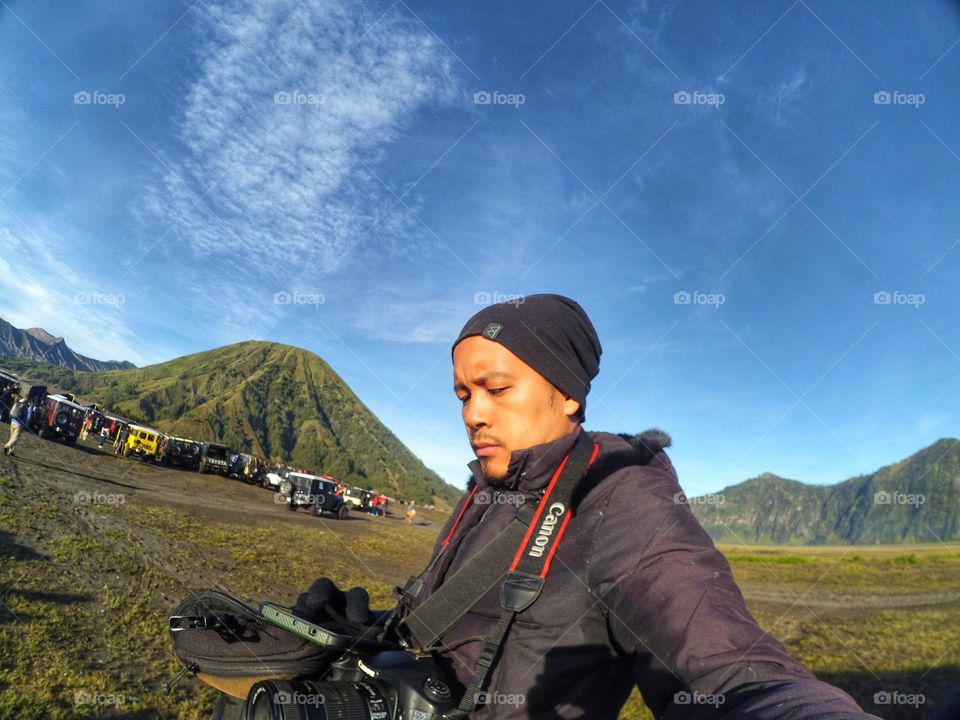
252	469
215	458
59	419
9	384
180	452
358	497
315	493
142	441
273	479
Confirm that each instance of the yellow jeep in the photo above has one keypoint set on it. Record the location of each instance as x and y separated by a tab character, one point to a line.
142	441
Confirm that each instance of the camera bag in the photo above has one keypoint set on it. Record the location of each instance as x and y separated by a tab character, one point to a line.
231	646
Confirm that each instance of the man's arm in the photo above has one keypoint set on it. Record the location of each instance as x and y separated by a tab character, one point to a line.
672	601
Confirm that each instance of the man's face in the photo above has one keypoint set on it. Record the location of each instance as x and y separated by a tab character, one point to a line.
507	405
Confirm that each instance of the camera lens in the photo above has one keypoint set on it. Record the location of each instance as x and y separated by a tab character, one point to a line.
313	700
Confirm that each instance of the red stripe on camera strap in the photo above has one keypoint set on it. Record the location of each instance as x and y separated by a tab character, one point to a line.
544	502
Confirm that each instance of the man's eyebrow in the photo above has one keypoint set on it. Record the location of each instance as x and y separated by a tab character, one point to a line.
485	379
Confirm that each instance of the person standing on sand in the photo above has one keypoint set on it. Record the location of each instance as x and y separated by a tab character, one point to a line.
411	512
16	422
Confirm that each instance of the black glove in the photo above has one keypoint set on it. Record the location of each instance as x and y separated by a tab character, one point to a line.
347	612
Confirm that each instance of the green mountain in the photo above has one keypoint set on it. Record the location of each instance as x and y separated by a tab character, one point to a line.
914	500
274	400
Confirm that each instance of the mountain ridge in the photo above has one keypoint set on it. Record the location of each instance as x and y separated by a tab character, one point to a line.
39	345
915	499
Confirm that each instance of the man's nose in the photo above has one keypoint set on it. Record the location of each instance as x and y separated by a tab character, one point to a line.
476	413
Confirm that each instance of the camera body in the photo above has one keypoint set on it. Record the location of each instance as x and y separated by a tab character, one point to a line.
387	685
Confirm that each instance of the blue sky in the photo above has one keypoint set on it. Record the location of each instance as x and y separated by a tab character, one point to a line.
724	187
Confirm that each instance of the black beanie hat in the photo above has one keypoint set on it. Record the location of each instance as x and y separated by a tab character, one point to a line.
550	333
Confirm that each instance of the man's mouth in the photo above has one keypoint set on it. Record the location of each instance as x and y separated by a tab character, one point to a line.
484	449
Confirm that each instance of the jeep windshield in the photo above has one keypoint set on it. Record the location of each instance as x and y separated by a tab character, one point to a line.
301	479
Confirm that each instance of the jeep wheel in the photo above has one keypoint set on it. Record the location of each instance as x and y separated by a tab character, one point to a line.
343	512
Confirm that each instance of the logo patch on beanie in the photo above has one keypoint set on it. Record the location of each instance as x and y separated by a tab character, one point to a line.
492	330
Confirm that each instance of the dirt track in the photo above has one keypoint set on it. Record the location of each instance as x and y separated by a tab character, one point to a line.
96	551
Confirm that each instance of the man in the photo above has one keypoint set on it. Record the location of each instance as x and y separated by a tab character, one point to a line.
17	422
636	593
121	439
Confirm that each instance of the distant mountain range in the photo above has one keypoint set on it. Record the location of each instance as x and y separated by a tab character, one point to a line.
39	345
277	401
286	403
914	500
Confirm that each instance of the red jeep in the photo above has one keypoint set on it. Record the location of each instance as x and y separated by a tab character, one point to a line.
60	419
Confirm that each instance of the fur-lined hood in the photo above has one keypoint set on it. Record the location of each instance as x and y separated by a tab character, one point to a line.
647	444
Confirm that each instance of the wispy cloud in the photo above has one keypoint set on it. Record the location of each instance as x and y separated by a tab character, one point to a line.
787	95
414	321
291	101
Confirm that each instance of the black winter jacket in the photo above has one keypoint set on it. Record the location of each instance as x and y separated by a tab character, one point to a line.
637	594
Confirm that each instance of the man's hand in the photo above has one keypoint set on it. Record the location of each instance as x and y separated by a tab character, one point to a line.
328	606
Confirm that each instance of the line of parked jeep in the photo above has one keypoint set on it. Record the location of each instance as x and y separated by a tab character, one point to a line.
60	417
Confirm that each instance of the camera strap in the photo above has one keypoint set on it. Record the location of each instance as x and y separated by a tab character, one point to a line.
531	541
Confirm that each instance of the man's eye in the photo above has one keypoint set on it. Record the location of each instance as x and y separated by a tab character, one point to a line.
496	391
463	400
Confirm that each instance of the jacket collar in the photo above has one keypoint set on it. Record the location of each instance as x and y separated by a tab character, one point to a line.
530	469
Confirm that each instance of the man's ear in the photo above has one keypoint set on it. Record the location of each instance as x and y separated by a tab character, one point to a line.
570	406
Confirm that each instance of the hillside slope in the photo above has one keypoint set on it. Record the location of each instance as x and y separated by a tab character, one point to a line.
274	400
914	500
